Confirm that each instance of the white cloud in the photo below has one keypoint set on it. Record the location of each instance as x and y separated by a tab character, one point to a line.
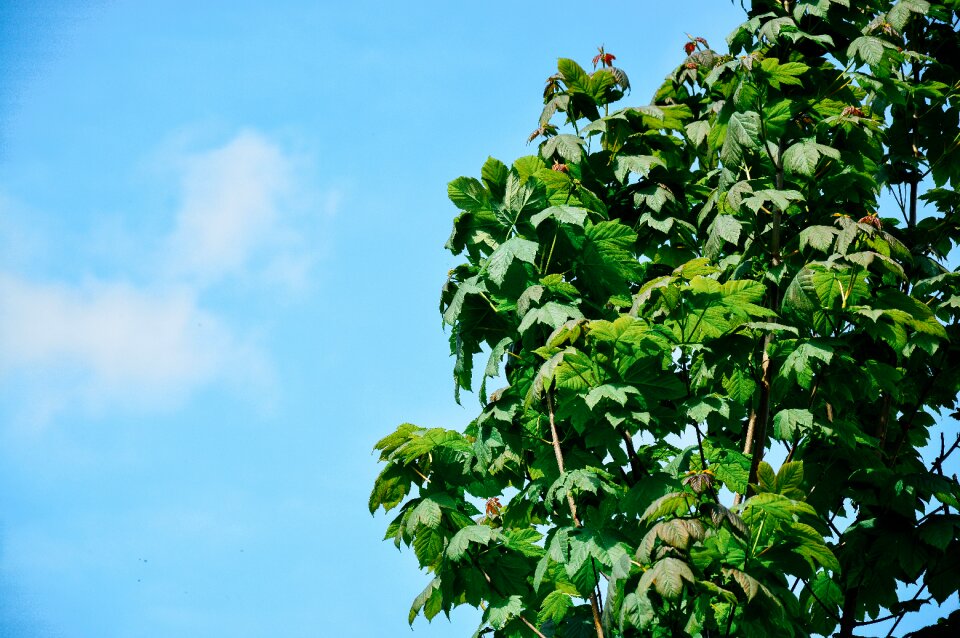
231	210
109	342
121	335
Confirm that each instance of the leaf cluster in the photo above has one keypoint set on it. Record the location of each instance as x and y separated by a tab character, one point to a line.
722	358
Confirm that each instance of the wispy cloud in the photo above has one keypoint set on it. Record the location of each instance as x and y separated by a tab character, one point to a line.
126	341
241	218
232	208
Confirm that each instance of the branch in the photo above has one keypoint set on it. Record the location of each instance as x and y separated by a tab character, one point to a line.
848	618
530	625
493	588
635	466
594	607
883	421
892	616
915	173
555	440
904	612
747	444
933	512
937	464
754	444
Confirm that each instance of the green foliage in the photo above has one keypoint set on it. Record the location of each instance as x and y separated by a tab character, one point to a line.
711	268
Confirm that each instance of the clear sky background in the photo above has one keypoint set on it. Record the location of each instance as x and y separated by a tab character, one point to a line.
221	251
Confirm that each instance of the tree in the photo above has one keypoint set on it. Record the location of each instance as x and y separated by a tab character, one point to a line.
722	356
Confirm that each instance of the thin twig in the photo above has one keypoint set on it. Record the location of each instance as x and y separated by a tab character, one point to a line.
532	628
904	612
937	464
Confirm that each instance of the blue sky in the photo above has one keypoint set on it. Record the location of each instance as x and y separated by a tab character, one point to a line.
221	250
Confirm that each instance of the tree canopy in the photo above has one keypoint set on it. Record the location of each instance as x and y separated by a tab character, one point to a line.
723	357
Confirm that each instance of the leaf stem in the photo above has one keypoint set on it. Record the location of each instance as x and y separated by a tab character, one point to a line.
546	265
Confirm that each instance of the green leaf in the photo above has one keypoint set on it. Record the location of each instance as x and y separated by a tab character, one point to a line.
822	599
520	196
712	588
479	534
639	164
867	49
730	466
817	237
802	158
613	393
786	73
655	197
493	363
573	75
743	133
788	422
390	488
697	131
812	547
554	607
724	228
667	575
471	286
675	503
428	546
551	314
900	14
543	379
749	584
799	364
790	480
650	380
494	174
514	248
772	29
502	610
779	198
766	479
606	261
541	571
523	541
574	483
740	385
432	589
941	578
777	115
767	504
468	194
423	442
426	513
527	166
562	214
939	531
568	147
